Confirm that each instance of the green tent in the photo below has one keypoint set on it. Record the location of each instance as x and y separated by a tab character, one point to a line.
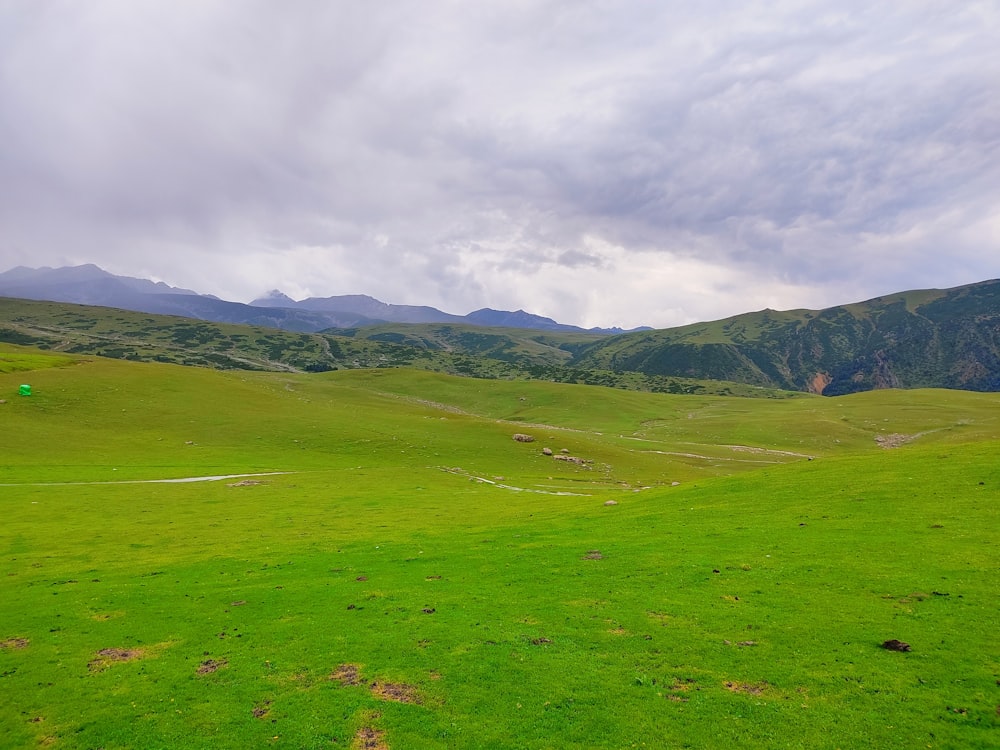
25	390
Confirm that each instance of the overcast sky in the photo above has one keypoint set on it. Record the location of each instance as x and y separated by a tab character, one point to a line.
600	162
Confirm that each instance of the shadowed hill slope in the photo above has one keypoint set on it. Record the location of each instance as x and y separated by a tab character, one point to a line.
928	338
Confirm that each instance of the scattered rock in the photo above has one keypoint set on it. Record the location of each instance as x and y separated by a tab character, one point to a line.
546	451
522	438
246	483
894	440
540	641
428	610
611	502
240	603
895	645
747	643
361	578
564	450
572	459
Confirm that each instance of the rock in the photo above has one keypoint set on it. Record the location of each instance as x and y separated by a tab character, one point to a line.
611	502
547	451
522	438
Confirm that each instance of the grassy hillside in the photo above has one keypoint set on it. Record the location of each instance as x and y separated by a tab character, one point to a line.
929	338
491	353
419	579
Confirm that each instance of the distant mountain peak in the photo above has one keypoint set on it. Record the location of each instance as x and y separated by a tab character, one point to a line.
274	298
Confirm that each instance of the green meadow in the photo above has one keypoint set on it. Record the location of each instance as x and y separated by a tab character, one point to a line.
683	571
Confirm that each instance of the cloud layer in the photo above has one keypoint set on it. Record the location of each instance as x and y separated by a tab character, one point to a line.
636	162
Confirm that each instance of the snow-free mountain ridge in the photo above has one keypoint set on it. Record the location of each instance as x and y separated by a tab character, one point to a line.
91	285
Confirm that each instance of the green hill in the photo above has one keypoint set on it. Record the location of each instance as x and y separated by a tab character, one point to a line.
693	571
931	338
920	339
491	353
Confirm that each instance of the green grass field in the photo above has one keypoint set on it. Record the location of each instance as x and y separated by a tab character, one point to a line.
418	579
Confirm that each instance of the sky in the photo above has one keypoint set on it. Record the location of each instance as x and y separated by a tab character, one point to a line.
603	163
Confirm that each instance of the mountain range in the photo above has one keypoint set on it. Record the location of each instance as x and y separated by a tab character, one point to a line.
931	338
91	285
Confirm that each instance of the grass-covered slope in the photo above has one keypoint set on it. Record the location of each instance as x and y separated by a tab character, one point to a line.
420	580
490	353
929	338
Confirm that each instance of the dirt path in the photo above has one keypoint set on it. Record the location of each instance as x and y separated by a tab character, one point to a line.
182	480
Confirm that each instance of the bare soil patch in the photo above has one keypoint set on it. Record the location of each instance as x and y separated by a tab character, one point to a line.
748	688
896	645
261	710
14	643
247	483
399	692
211	665
347	674
369	738
108	656
594	554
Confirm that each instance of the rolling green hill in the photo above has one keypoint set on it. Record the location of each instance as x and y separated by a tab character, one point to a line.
491	353
920	339
695	571
930	338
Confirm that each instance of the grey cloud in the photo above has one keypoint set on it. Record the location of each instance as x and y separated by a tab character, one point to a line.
435	150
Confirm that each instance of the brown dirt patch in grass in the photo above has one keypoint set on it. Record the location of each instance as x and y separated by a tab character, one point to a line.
347	674
261	710
108	656
748	688
211	665
14	643
594	554
369	738
896	645
247	483
398	692
682	686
